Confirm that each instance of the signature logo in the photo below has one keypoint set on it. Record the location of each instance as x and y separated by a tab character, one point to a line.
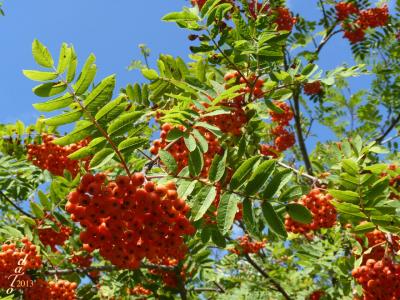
18	272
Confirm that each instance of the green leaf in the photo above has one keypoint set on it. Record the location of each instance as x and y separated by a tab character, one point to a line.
185	188
275	224
84	130
49	89
217	168
86	76
132	143
180	16
123	123
65	118
293	192
101	158
260	176
364	228
73	64
346	196
276	184
202	142
190	142
168	160
350	166
349	209
28	220
39	75
218	238
41	55
249	218
213	129
150	74
100	95
63	59
44	200
226	212
54	104
196	162
109	107
299	213
241	174
174	134
37	210
203	201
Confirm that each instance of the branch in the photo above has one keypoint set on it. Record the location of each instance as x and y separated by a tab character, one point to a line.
278	287
305	175
181	285
5	197
108	268
299	132
393	124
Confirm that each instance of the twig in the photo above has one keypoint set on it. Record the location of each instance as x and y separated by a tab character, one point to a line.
107	268
305	175
221	288
5	197
276	284
181	285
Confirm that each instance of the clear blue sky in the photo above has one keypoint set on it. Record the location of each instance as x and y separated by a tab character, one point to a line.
111	30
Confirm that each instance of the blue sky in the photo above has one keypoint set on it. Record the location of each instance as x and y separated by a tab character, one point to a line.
111	30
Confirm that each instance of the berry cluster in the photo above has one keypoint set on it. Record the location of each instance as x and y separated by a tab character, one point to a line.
181	153
254	85
83	261
128	220
12	257
48	236
394	181
169	278
245	246
284	18
139	290
59	290
313	88
54	158
377	241
316	295
323	212
380	279
354	30
283	138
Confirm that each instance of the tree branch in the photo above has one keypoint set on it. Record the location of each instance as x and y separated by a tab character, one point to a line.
299	133
392	125
278	287
5	197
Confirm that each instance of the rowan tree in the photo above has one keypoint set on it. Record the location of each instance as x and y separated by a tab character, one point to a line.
200	182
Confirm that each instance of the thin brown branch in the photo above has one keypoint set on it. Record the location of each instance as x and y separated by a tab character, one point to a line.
305	175
299	133
7	199
392	125
260	270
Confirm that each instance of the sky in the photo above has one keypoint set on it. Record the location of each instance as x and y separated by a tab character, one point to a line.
112	30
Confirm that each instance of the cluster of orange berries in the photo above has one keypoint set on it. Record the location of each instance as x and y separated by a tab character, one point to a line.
313	88
12	257
316	295
54	158
380	279
376	240
53	290
169	278
83	261
283	138
394	181
323	212
139	290
128	219
368	18
245	246
284	19
254	85
179	150
49	236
